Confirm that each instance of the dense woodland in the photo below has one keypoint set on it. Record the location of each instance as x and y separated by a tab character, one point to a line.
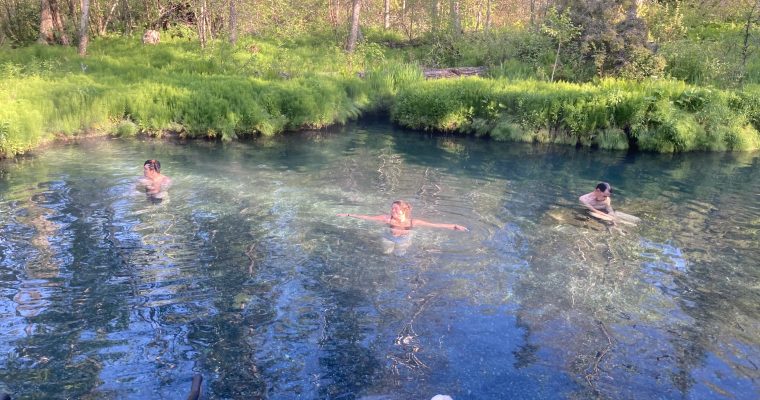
663	75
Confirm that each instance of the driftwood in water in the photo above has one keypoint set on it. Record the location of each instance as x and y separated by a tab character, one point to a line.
195	388
453	72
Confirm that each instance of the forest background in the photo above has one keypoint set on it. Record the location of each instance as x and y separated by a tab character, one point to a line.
656	75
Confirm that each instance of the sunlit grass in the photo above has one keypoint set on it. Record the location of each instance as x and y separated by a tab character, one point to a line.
663	116
267	85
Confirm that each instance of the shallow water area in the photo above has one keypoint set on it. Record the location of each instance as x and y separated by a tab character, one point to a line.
245	274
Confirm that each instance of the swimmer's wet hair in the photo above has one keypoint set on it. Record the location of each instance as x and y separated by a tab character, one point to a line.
603	186
404	205
153	164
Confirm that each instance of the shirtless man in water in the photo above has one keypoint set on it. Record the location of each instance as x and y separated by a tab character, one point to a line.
599	204
154	182
401	223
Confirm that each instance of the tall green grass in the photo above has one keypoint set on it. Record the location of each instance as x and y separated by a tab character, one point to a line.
224	91
663	116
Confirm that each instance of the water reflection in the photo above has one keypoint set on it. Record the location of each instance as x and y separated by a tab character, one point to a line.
247	277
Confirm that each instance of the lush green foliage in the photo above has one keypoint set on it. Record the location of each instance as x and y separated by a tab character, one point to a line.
289	71
123	88
665	116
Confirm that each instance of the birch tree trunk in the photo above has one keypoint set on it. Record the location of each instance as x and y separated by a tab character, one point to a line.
233	23
456	24
127	17
387	14
488	15
434	12
354	33
103	22
201	22
84	37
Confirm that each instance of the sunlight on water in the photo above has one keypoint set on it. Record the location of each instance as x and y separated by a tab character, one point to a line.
245	274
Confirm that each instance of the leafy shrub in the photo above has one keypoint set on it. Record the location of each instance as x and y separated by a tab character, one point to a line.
612	139
692	62
126	128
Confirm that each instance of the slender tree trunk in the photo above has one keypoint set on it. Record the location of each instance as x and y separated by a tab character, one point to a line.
84	37
434	8
98	15
556	59
209	27
387	15
104	29
746	44
201	23
532	13
46	24
233	23
354	32
60	29
478	15
488	15
102	19
334	8
456	24
9	31
128	21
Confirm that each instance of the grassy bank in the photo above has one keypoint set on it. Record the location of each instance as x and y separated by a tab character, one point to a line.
124	88
269	86
663	116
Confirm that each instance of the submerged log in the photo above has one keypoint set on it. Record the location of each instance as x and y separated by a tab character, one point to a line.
195	387
453	72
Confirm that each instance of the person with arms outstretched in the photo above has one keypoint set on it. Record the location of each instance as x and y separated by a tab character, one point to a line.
400	224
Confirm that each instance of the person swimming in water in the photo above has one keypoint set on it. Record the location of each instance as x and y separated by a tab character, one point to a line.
598	202
600	206
400	224
154	182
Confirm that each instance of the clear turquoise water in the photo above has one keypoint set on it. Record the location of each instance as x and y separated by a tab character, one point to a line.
246	276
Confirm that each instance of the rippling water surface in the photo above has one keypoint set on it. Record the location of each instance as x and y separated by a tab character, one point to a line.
246	276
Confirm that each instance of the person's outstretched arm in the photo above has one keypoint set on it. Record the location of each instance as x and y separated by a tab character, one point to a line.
454	227
378	218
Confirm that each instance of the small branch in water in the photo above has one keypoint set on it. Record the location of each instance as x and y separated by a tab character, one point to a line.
249	253
594	374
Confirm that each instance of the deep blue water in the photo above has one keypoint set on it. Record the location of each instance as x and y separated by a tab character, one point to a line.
246	276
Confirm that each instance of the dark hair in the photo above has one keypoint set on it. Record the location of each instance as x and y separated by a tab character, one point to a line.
603	186
153	164
405	206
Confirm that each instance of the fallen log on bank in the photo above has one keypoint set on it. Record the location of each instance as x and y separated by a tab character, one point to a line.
453	72
433	73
